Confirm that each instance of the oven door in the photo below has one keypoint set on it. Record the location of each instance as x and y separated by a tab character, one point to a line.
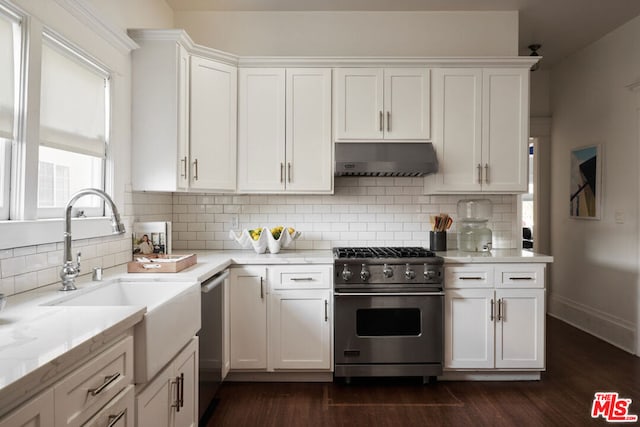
388	328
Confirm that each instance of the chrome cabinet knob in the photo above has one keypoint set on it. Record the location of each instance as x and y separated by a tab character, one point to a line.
387	271
346	273
409	274
364	273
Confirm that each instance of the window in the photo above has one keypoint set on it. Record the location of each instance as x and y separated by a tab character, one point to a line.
73	129
10	43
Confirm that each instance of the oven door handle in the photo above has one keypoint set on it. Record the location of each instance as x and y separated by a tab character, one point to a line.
387	294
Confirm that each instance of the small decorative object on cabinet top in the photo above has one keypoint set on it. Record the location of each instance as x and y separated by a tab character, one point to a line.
263	238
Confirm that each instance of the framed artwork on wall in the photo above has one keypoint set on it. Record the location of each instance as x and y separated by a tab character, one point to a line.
585	182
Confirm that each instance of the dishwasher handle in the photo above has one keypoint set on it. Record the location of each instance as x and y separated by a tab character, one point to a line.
209	284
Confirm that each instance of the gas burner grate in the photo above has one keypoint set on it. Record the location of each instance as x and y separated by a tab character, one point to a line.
382	252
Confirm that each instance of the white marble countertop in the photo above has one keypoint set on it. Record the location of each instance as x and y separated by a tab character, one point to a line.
39	342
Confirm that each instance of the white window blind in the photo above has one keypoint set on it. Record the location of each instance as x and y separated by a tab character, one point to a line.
74	116
73	104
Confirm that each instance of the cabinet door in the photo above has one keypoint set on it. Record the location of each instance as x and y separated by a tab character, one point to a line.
469	328
213	125
308	130
359	103
457	124
407	102
186	368
505	130
300	326
248	318
520	328
38	412
183	120
261	129
159	115
153	404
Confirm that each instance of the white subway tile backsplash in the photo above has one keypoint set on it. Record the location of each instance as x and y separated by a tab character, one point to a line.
25	282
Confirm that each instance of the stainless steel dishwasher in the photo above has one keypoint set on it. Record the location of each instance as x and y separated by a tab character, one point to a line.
212	338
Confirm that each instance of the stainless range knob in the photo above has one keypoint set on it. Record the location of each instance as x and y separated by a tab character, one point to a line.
409	274
387	271
364	273
346	273
429	274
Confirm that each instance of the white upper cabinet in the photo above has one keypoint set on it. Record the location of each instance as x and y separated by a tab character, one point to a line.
481	128
212	125
284	131
183	116
382	104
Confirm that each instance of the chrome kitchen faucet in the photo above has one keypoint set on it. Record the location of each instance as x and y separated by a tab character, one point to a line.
70	270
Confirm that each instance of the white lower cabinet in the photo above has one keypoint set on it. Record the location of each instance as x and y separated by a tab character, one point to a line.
281	318
300	329
490	326
37	412
248	318
171	398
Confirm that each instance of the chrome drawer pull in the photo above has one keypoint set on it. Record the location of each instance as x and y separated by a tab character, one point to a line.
520	278
107	380
301	279
493	310
500	315
113	419
470	278
195	165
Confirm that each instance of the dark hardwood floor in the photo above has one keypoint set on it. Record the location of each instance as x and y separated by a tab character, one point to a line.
578	365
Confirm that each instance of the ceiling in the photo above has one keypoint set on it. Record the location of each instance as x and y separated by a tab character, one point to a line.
560	26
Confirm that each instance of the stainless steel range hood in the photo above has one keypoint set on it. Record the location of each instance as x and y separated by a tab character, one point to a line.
385	159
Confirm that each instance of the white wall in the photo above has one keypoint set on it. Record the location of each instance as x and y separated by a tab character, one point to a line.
355	33
135	14
595	273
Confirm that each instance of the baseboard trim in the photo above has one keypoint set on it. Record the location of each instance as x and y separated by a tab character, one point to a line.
319	377
611	329
490	376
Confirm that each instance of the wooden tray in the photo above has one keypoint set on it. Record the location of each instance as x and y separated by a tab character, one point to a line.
162	263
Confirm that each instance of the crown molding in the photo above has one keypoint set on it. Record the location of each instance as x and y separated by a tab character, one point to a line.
383	61
181	36
89	15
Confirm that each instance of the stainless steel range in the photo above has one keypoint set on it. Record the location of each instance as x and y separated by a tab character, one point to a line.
388	312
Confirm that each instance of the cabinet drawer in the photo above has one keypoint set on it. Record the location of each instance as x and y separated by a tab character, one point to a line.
92	385
117	413
520	275
472	276
300	277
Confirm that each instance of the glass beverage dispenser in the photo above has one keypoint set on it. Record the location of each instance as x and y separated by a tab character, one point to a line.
473	234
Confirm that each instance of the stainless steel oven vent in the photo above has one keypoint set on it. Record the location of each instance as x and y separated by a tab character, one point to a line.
385	159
